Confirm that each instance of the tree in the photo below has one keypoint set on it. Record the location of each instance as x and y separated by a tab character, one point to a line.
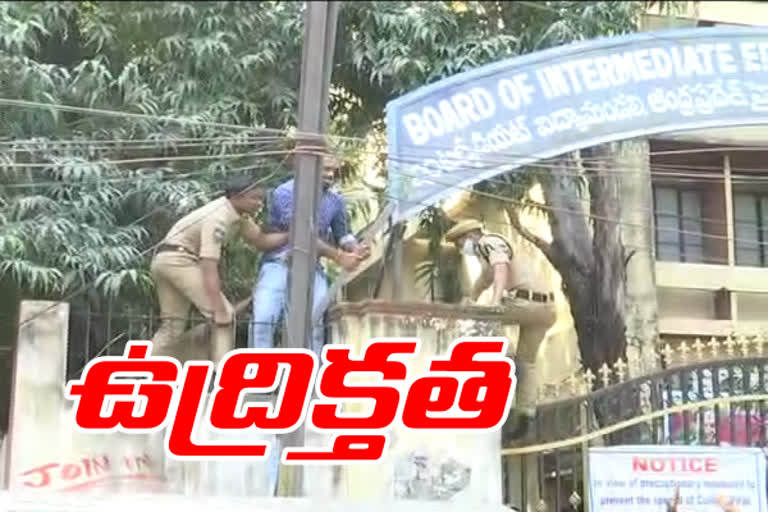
73	212
600	225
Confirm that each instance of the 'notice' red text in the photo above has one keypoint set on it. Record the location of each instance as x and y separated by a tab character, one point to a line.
674	464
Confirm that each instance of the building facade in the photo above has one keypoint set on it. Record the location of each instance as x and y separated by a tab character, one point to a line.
710	191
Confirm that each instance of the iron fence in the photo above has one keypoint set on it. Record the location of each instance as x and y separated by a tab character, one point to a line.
105	333
739	422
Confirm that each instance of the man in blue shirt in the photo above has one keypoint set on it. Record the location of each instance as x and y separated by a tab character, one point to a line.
269	293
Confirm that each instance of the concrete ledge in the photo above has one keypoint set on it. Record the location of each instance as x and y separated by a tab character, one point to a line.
77	502
421	309
697	276
696	327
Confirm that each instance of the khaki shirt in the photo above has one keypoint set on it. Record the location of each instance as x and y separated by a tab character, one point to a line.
205	230
495	249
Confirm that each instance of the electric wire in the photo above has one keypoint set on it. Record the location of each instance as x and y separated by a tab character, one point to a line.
151	248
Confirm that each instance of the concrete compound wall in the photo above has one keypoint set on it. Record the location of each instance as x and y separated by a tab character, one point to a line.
44	452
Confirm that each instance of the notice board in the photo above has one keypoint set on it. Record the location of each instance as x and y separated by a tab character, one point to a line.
644	478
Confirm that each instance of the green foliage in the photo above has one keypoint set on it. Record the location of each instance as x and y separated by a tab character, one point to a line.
82	212
437	271
83	195
390	48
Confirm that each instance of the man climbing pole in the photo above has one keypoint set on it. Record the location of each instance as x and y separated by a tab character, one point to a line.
270	290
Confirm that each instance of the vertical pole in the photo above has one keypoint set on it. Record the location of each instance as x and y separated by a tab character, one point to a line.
728	192
730	231
585	418
397	265
317	61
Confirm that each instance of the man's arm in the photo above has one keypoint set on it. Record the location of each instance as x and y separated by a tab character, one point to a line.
211	240
340	227
212	284
260	240
500	277
342	233
499	257
279	208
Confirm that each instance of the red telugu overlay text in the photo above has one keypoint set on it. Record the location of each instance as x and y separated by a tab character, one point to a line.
468	390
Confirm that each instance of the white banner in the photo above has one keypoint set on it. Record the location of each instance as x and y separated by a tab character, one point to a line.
644	478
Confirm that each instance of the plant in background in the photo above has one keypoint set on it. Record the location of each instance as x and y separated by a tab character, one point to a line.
438	271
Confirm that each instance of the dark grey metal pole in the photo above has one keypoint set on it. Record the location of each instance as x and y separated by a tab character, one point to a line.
317	64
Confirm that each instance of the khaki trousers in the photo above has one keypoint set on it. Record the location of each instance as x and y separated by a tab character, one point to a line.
534	319
178	285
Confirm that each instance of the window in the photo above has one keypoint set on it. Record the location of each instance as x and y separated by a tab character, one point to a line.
750	216
678	225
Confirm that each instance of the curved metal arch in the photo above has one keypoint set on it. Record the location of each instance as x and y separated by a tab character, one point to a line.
717	77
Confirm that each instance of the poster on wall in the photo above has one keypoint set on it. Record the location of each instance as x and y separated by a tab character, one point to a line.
644	478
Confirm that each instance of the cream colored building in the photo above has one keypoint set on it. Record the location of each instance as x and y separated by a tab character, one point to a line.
712	280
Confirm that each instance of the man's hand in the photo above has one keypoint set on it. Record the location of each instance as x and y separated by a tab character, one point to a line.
349	261
363	251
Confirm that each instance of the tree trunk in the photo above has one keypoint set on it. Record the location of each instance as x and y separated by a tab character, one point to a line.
588	250
590	261
641	307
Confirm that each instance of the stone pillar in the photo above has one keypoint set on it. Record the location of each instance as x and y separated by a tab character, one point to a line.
44	450
39	371
418	465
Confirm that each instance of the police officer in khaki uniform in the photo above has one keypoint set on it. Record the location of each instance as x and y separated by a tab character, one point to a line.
185	265
524	296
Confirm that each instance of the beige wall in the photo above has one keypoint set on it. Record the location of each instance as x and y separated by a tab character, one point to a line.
682	303
475	453
738	13
753	307
44	451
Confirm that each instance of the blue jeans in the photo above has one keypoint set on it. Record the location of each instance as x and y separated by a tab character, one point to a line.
268	304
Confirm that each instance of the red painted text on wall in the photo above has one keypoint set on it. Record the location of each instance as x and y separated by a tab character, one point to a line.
85	470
